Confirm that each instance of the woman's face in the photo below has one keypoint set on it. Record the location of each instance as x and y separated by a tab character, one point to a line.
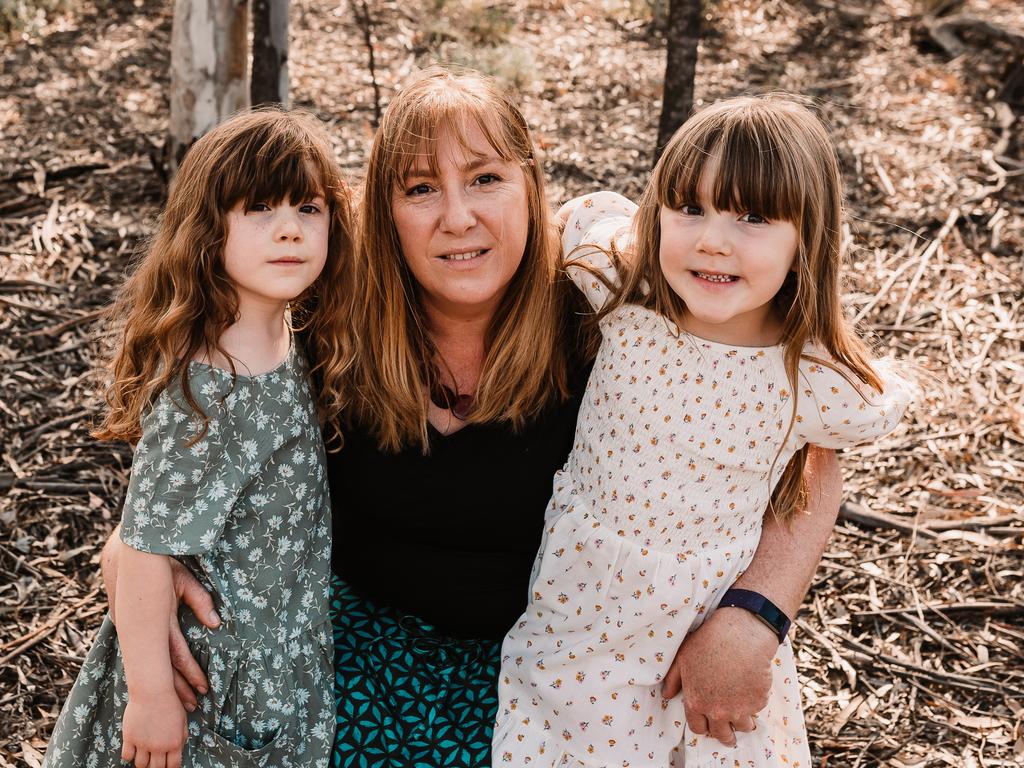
463	230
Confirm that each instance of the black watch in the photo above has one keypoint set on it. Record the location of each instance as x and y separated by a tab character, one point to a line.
759	605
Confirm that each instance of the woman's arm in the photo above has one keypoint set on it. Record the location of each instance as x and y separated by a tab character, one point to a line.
154	725
188	675
723	667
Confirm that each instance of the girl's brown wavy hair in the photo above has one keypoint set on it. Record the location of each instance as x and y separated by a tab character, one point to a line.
531	337
178	299
774	157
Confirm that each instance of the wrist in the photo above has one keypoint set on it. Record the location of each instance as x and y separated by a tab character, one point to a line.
760	609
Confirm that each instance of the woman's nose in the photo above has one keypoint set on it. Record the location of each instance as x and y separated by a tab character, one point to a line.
458	215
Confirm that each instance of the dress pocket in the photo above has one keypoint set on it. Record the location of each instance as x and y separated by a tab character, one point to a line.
215	751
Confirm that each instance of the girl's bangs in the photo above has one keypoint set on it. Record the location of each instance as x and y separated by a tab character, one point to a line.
282	167
754	171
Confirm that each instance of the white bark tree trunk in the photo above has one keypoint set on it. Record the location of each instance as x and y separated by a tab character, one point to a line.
209	69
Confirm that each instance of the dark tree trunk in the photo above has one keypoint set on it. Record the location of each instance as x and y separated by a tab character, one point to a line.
682	36
269	83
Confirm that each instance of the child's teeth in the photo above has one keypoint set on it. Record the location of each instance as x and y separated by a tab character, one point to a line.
716	278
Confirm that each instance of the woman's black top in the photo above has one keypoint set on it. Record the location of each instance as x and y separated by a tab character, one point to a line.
449	536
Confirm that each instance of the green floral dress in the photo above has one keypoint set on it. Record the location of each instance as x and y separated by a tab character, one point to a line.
246	509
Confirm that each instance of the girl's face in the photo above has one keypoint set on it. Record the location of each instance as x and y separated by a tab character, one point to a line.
463	229
273	252
726	266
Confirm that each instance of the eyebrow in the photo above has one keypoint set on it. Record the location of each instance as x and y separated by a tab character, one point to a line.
419	171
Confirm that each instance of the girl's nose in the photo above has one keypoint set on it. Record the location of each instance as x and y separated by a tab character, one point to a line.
714	237
457	215
287	225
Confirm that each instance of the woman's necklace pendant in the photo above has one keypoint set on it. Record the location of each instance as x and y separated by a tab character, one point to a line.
461	406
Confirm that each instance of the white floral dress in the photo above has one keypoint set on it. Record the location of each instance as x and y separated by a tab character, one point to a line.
246	509
656	513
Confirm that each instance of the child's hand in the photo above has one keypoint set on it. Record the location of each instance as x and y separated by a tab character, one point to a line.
154	730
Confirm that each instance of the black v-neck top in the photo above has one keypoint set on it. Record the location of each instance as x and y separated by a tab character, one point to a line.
449	537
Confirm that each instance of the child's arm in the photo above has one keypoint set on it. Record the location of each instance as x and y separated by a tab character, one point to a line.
154	720
726	662
188	675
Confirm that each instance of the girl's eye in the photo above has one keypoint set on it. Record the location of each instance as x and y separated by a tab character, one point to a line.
753	218
259	207
311	208
691	210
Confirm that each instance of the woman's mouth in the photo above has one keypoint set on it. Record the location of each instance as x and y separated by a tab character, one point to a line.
464	255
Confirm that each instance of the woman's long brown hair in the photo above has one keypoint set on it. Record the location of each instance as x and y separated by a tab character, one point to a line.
774	157
528	343
179	299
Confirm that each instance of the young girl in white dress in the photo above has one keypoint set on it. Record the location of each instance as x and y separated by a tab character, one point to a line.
228	475
724	354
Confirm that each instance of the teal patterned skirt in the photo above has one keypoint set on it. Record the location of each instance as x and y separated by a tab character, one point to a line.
408	697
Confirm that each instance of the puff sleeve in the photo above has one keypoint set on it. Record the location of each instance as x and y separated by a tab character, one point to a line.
181	493
597	220
837	410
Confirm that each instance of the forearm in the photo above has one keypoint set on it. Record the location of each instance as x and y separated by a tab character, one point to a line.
144	599
788	553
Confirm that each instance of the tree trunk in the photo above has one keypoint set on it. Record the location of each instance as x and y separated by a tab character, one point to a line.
682	36
208	69
269	52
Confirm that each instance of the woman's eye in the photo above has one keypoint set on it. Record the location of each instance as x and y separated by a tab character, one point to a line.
487	178
753	218
417	190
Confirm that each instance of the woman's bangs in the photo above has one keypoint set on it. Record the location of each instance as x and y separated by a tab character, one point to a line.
420	136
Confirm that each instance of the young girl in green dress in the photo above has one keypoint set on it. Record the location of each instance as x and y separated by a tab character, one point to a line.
228	474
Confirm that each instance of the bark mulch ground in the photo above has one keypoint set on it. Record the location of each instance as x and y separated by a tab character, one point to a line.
911	642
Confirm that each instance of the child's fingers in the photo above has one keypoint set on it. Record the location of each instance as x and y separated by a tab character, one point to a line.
158	760
127	751
142	759
174	759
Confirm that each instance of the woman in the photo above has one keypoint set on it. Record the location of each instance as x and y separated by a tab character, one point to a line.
465	393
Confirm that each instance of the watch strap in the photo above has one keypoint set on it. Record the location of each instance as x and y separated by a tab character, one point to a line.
760	606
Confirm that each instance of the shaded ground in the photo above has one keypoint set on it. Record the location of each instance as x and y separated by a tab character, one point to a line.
911	644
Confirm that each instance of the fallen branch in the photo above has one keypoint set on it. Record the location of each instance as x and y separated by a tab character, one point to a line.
946	31
861	515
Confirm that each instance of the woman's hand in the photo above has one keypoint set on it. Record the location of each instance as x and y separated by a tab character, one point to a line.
188	675
724	670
